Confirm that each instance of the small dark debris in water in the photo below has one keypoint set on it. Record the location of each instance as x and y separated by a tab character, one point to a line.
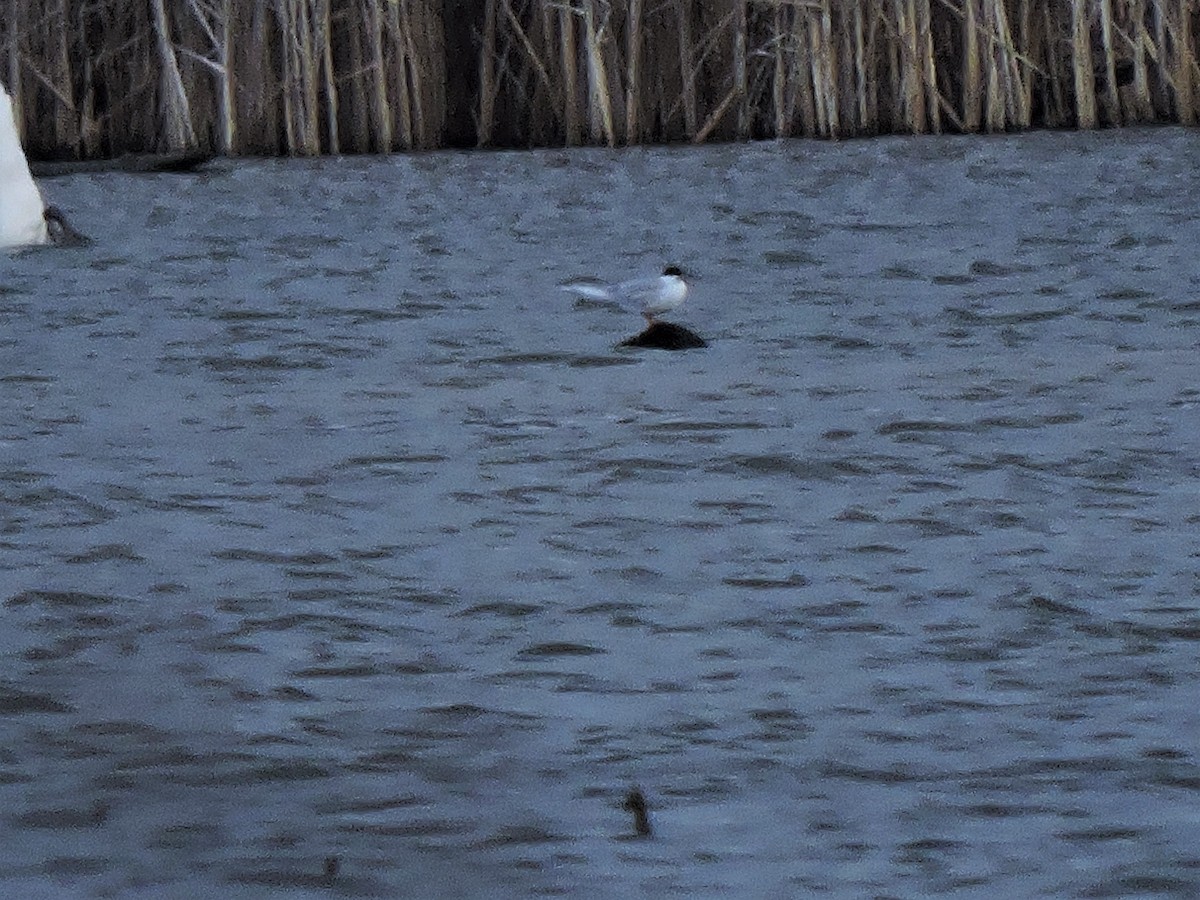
665	336
1046	605
332	864
60	230
57	819
635	802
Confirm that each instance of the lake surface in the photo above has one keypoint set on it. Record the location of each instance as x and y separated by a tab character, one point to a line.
329	527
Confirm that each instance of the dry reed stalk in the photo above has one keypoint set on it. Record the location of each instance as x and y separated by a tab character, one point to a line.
803	90
889	68
844	54
308	85
399	32
739	69
422	70
1024	82
1033	44
814	78
1184	74
381	107
830	63
572	115
714	118
329	82
792	88
861	74
614	66
1003	106
487	76
177	131
59	71
531	53
529	78
916	119
1111	100
633	84
996	94
548	42
532	77
928	66
245	112
1043	49
1160	49
294	40
688	66
434	79
1143	104
215	21
1081	58
972	91
14	28
708	46
994	117
599	97
306	141
783	124
90	134
227	107
358	115
662	73
286	78
875	25
820	89
425	69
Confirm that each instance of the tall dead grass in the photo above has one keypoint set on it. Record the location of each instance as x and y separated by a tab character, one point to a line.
92	77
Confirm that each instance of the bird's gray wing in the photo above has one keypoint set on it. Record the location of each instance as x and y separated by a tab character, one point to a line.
589	288
637	293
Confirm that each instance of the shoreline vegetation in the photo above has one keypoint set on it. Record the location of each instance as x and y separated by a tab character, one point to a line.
100	78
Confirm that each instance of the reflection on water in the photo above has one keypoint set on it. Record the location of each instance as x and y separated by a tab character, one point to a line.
341	551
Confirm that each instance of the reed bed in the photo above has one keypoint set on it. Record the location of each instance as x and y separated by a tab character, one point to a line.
97	77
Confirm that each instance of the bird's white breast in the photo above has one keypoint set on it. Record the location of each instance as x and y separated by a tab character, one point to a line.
672	290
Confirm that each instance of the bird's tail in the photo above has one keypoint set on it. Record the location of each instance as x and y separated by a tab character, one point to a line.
588	289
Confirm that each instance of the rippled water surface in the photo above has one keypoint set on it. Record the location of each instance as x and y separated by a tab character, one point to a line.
330	528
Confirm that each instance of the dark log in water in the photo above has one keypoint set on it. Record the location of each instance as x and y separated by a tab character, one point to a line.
184	161
665	336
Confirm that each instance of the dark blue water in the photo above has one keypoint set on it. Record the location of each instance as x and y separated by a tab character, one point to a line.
329	527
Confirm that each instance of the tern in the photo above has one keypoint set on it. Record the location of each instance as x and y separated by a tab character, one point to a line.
649	296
